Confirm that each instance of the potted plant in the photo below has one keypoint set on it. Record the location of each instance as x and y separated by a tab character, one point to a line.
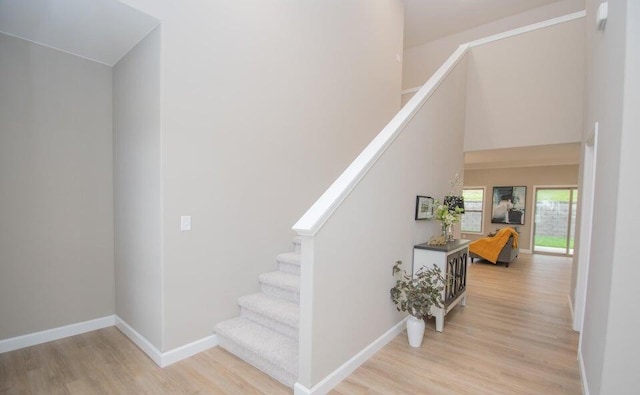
416	295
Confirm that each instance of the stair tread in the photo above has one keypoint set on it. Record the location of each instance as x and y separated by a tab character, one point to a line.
282	280
261	341
274	308
289	257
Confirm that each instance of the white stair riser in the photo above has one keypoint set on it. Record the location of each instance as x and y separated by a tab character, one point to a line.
284	294
270	323
289	268
278	373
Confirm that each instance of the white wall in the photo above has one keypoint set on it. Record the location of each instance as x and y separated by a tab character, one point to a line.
264	103
421	61
620	369
137	189
609	345
374	226
527	89
56	189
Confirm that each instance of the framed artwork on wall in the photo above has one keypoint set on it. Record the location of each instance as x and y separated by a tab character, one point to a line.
509	205
454	202
424	207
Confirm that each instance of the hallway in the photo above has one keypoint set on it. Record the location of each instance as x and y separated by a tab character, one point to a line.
513	337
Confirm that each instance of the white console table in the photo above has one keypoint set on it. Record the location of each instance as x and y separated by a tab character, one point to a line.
452	261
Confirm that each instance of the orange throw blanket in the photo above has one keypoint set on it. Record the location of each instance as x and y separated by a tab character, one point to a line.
489	247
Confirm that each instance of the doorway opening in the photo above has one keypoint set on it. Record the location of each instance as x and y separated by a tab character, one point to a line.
554	220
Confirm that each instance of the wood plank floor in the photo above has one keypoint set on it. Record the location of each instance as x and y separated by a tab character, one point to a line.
106	362
513	337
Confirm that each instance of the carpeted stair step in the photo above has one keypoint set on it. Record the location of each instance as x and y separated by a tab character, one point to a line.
289	262
276	314
267	350
281	285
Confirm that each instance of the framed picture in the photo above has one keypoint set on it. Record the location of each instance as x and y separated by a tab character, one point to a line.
454	202
509	205
424	207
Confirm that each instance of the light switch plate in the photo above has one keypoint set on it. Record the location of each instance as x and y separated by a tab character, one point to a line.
185	222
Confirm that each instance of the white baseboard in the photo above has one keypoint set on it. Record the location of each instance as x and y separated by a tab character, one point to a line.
161	359
570	307
583	376
170	357
525	251
335	377
61	332
188	350
140	341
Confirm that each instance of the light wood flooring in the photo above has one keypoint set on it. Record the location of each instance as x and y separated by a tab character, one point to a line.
513	337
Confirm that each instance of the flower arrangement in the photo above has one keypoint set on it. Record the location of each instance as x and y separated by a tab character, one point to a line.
447	215
451	210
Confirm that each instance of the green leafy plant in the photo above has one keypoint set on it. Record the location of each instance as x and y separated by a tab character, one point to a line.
416	295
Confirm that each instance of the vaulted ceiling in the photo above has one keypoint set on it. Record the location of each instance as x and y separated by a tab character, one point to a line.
100	30
104	30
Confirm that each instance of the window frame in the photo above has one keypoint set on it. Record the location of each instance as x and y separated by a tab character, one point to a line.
481	211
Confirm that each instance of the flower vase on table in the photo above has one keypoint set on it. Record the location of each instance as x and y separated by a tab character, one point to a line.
447	232
449	236
448	216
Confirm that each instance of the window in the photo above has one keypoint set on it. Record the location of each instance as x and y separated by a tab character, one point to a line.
473	209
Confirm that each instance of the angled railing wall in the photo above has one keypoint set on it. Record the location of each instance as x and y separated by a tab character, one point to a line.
365	222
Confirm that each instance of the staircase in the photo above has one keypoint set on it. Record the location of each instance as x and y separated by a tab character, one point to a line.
266	333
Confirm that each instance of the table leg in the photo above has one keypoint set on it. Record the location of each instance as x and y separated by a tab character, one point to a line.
439	320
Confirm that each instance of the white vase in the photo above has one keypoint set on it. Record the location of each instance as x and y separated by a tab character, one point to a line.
415	331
